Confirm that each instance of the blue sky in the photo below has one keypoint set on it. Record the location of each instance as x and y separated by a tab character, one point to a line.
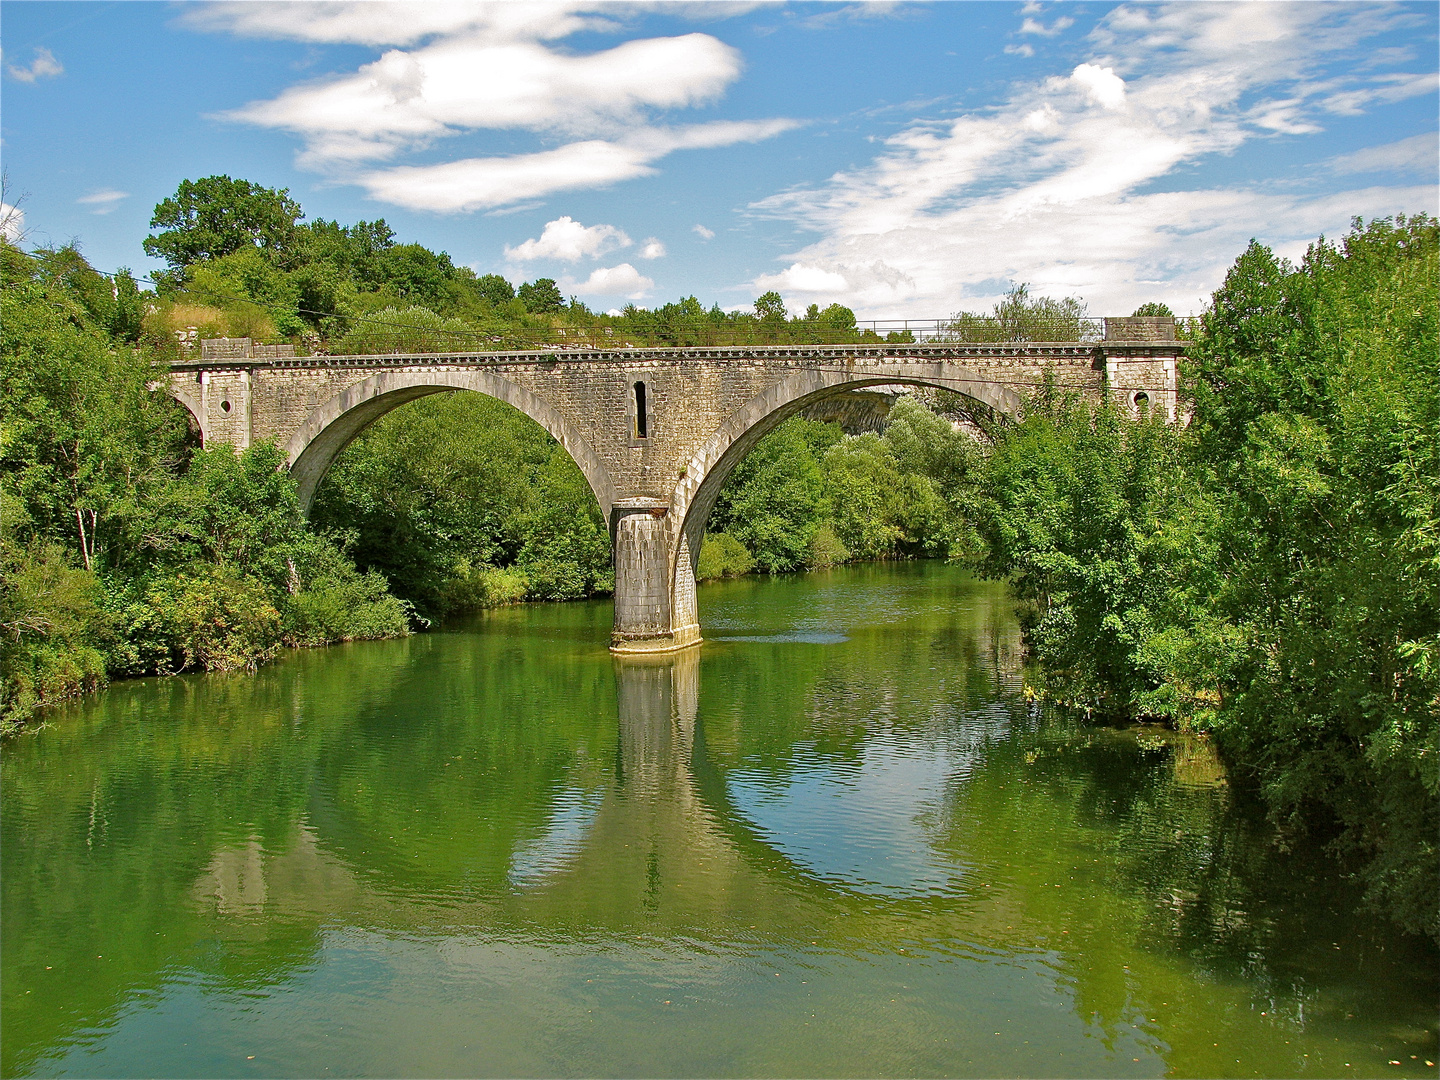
904	159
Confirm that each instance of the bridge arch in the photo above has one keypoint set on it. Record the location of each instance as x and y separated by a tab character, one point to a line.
334	425
711	465
190	397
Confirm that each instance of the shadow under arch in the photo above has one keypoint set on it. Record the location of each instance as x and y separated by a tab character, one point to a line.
694	497
188	396
332	426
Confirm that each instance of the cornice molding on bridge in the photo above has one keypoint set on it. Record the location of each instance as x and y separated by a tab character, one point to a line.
1076	351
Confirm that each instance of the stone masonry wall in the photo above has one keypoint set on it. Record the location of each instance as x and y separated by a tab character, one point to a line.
688	396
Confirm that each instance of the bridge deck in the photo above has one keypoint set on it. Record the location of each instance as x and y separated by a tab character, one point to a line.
972	351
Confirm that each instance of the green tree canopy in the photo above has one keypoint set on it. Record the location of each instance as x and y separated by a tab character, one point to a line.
494	289
214	216
770	306
541	296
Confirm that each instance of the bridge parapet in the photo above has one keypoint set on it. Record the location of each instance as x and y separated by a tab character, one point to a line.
242	348
1147	328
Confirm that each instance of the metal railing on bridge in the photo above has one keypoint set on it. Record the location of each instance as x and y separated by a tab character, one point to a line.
391	337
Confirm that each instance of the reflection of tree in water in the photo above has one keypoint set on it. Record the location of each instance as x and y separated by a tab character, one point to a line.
483	782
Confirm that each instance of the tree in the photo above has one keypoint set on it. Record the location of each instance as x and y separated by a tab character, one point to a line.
541	297
117	556
246	275
447	490
770	307
1082	512
494	290
1153	309
86	437
1317	406
775	499
214	216
1022	317
418	275
354	251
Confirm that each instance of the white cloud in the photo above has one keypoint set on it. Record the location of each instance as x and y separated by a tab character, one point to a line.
457	68
708	136
405	100
1100	85
12	223
1383	90
702	232
366	22
566	239
482	183
44	66
1418	154
486	183
652	249
1048	189
623	280
803	279
1034	26
103	201
1020	50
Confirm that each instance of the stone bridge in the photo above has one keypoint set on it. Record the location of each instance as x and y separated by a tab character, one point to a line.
656	430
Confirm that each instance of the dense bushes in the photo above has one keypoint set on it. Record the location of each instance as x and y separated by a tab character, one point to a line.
122	553
807	495
1273	572
722	556
1085	513
462	501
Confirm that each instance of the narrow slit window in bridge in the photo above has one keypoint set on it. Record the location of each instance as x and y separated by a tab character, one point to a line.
640	426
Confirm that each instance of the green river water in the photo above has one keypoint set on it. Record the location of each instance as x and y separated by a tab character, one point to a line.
834	840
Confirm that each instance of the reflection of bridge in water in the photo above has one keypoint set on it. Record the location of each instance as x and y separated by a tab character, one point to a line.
655	431
661	846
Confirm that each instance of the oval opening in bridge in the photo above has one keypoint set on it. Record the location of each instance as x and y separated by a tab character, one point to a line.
1141	399
640	425
224	406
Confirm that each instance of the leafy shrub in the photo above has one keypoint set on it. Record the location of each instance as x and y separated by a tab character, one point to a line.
826	550
50	626
721	555
410	329
39	673
471	588
217	618
339	603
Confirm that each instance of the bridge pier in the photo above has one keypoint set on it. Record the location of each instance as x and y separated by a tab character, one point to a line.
654	596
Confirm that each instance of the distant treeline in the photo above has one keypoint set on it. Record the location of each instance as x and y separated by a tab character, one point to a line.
1269	572
243	263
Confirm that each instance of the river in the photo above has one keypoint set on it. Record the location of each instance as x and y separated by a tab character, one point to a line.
834	840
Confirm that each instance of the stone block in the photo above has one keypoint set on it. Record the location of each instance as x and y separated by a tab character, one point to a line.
1141	328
